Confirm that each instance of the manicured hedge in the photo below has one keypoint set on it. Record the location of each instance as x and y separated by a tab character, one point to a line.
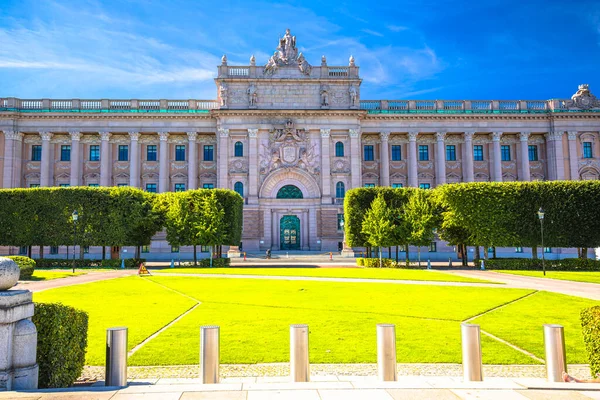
374	263
67	264
26	266
528	264
590	323
62	342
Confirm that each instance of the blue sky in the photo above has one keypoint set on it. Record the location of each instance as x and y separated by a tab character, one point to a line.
406	49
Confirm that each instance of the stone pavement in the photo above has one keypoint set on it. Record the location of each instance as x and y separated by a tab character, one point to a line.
325	388
74	280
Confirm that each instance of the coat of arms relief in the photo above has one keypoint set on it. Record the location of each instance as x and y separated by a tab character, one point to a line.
583	99
288	147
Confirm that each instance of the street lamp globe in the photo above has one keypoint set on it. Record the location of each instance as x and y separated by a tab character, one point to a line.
75	216
540	213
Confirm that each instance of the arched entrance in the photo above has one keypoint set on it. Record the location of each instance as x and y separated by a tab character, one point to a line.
289	228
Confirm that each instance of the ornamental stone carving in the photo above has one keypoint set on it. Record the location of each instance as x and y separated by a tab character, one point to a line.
150	165
453	164
496	136
179	165
340	166
524	136
253	133
134	136
572	135
12	135
353	92
223	132
104	136
163	136
468	135
385	136
583	99
440	136
554	135
75	135
426	164
303	65
46	135
223	94
325	133
354	133
412	136
238	166
252	95
192	137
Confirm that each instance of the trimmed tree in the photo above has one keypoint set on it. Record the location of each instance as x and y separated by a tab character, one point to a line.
210	227
421	219
378	225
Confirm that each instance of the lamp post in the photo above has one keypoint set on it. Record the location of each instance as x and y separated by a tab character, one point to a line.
75	216
540	214
344	237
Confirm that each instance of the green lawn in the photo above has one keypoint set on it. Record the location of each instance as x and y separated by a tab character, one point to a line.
367	273
583	276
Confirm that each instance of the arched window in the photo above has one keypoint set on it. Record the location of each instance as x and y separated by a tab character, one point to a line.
289	192
239	149
339	149
239	188
340	190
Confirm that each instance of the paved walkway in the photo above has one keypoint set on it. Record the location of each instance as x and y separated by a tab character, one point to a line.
326	388
73	280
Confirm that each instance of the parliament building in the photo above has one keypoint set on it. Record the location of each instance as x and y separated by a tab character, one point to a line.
291	138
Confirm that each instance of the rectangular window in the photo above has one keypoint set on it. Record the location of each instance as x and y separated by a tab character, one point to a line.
123	152
396	152
146	249
208	186
402	248
204	249
505	152
94	152
64	185
450	152
368	154
151	187
34	185
587	150
36	152
65	152
369	185
180	152
423	152
122	184
547	249
518	249
396	185
53	249
478	152
340	220
86	249
432	247
93	185
151	152
180	187
424	186
23	250
533	154
208	152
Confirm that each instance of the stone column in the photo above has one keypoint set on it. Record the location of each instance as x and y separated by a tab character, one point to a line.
413	165
134	159
355	158
384	170
304	227
525	173
45	172
75	161
105	159
573	160
252	166
558	156
163	163
497	167
192	160
468	173
325	167
440	159
10	177
223	161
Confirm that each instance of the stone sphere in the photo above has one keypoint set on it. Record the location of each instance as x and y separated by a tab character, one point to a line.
9	273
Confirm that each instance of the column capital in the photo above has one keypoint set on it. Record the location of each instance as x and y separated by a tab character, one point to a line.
468	135
164	136
134	136
524	136
440	136
46	135
252	133
496	136
75	135
384	135
412	136
554	135
104	136
572	135
354	133
18	136
192	136
325	132
223	132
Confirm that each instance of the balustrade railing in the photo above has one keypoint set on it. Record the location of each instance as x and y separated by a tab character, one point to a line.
77	105
338	72
239	71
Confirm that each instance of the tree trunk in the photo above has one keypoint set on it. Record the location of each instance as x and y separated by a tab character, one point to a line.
419	255
41	252
465	257
584	253
138	252
211	256
81	252
195	257
396	253
29	249
534	254
407	255
477	255
486	254
494	252
103	252
380	260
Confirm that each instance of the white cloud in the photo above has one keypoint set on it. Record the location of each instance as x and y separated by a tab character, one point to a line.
374	33
397	28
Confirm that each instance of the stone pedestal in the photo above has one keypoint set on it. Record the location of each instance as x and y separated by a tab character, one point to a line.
18	341
233	252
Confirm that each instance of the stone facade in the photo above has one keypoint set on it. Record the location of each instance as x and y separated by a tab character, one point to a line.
289	123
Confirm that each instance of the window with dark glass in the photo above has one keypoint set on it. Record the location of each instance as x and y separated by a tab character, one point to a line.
505	152
122	184
174	249
146	249
396	152
518	249
34	185
93	185
340	219
123	152
151	152
450	152
64	185
396	186
340	190
86	249
208	186
239	188
339	149
423	152
238	149
547	249
368	152
369	185
180	152
94	152
53	249
424	186
533	154
151	187
36	152
65	152
208	152
432	247
478	152
23	250
587	150
180	187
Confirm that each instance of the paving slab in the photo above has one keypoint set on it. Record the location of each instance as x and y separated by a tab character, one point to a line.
239	395
182	388
356	394
284	395
422	394
459	383
591	395
148	396
475	394
553	395
296	385
537	383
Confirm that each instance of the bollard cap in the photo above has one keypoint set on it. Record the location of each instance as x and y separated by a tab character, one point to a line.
210	327
466	325
298	326
386	325
552	326
117	328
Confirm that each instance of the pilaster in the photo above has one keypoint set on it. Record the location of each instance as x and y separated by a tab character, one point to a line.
252	166
525	172
413	166
573	159
75	158
134	161
105	159
468	173
325	167
440	159
355	159
223	162
192	160
384	171
163	163
46	165
497	162
11	172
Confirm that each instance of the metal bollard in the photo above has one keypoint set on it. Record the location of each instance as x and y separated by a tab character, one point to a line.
299	365
556	359
386	352
471	352
330	255
209	354
244	256
482	265
450	262
115	373
428	264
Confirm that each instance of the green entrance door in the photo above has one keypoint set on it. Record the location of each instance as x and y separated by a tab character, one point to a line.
289	228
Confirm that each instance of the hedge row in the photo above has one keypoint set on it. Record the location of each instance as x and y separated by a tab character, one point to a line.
527	264
205	263
26	266
590	323
61	343
46	263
